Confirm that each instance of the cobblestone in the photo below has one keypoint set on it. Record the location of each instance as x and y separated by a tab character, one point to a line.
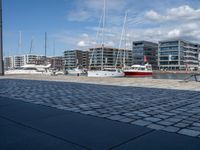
189	132
141	122
160	109
155	126
171	129
181	125
152	119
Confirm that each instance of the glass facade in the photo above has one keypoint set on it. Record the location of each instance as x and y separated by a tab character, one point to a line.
145	48
178	54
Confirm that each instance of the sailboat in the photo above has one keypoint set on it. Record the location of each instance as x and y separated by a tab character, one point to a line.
104	72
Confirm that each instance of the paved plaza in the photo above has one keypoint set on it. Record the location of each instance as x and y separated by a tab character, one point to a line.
168	110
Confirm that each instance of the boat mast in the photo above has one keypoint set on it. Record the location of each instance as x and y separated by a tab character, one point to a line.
1	43
104	15
97	35
20	43
45	45
125	49
54	59
121	38
31	46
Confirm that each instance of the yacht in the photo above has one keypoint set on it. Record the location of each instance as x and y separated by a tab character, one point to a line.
75	71
30	69
106	72
139	70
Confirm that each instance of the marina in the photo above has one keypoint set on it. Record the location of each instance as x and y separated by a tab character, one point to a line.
110	75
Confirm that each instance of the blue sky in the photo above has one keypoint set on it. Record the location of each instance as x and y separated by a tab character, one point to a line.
73	24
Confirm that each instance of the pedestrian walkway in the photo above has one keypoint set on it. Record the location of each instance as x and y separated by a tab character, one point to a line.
176	111
25	125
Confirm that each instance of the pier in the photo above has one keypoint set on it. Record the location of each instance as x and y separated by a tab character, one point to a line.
99	113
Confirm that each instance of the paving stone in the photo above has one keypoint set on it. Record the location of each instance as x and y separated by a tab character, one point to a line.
161	116
104	115
189	132
181	125
196	124
126	120
155	126
173	120
116	117
152	119
171	129
141	122
194	128
166	123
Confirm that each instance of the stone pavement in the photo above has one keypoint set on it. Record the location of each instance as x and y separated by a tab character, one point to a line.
175	111
27	126
135	82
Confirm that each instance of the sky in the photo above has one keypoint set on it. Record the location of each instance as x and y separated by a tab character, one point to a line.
74	24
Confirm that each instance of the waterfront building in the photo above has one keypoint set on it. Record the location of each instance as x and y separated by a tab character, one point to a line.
75	58
30	58
57	62
8	62
18	61
145	49
178	55
111	57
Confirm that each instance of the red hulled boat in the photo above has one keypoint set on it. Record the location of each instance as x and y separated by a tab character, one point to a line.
139	70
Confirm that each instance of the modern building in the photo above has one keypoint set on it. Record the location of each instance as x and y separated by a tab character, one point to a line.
109	57
75	58
142	49
57	62
178	55
18	61
8	62
30	58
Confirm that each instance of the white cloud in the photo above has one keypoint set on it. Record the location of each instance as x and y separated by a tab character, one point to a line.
82	44
78	16
181	13
93	9
174	33
180	22
85	35
152	15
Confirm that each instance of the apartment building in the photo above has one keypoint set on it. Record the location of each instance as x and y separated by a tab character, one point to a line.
109	57
178	55
75	58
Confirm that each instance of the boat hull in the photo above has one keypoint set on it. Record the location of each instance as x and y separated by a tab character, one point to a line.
105	74
22	72
138	73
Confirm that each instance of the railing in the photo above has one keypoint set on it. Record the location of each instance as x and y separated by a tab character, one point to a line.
195	76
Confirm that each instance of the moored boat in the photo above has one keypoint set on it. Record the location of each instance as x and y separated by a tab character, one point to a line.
30	69
139	70
106	72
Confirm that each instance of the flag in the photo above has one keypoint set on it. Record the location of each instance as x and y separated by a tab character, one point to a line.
145	59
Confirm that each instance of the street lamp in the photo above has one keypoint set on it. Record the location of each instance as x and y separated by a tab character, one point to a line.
1	43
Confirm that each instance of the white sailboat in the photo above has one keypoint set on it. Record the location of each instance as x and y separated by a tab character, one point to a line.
104	72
